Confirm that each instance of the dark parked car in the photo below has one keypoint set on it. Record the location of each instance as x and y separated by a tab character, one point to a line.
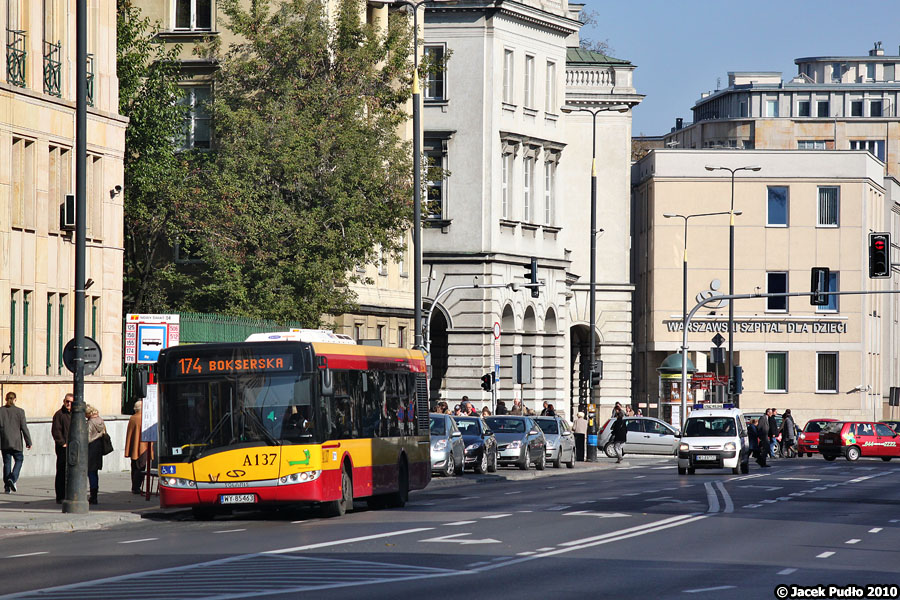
560	441
447	447
520	441
481	445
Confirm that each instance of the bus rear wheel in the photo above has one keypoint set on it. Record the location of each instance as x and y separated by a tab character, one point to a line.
338	508
399	498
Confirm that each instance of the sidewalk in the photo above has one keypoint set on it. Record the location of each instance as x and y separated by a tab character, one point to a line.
33	507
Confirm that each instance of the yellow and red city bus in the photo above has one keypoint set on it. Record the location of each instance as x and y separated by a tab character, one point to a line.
286	421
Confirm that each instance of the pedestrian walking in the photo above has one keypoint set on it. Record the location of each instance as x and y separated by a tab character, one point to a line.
516	408
549	411
753	438
762	432
788	435
138	451
580	425
501	408
616	409
485	412
619	435
13	429
629	412
59	430
773	431
544	409
96	429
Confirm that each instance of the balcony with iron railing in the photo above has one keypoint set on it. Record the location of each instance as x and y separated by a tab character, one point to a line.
52	68
15	57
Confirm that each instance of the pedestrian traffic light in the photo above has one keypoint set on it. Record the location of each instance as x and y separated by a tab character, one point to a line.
879	255
531	276
737	377
818	286
486	380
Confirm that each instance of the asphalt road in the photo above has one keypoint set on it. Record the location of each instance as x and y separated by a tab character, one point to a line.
636	531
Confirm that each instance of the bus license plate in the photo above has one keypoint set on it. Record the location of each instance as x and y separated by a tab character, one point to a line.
238	499
706	457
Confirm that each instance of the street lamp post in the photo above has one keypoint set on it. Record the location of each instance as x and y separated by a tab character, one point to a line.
734	397
684	311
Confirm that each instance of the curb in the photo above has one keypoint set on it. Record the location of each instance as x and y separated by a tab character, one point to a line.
96	520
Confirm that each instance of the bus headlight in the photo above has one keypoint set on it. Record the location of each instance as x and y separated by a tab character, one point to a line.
177	482
304	477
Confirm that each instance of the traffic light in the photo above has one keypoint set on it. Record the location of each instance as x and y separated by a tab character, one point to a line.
531	276
818	285
737	378
486	380
596	373
879	255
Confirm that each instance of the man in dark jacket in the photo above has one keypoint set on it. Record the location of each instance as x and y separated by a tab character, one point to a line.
59	429
773	431
13	427
762	430
619	435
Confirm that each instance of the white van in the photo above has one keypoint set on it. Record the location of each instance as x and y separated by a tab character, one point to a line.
714	438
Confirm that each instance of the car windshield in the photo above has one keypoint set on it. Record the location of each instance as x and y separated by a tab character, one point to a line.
710	427
548	426
468	426
501	425
438	426
815	426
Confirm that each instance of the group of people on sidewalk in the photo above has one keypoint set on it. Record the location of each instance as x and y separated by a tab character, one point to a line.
14	431
763	435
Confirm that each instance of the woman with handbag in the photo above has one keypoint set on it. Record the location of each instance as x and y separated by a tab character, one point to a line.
96	434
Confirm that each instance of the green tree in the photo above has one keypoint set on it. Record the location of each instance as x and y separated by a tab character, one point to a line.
311	174
156	175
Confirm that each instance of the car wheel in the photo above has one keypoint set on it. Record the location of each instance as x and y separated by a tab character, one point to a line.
524	464
682	470
853	454
571	463
462	465
736	470
610	450
558	462
886	458
338	508
829	457
481	466
451	464
541	463
745	467
691	470
492	466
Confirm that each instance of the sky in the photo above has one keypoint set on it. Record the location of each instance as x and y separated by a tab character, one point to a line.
681	47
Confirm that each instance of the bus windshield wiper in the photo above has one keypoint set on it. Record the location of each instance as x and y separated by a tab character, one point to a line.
260	427
214	431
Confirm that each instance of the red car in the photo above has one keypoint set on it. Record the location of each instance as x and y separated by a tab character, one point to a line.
809	437
859	438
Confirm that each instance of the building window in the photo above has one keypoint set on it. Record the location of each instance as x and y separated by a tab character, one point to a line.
358	332
889	70
379	334
193	15
826	372
13	330
382	262
435	79
744	112
836	72
436	159
528	101
94	197
549	192
771	108
856	108
777	206
876	147
870	71
832	306
875	108
527	186
23	193
506	166
508	73
550	89
776	371
59	181
822	108
51	298
829	206
811	145
401	337
196	130
777	283
803	108
61	333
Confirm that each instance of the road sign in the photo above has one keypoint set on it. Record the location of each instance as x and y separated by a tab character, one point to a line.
496	330
147	335
718	340
92	355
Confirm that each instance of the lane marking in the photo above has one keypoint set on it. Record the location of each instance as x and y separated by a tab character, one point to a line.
511	493
629	530
710	589
425	503
455	523
729	505
587	513
529	553
26	554
768	501
524	511
229	531
875	530
825	555
797	494
894	521
139	541
561	507
786	571
546	549
469	498
633	494
798	479
497	516
454	538
639	476
752	505
346	541
711	498
478	564
853	541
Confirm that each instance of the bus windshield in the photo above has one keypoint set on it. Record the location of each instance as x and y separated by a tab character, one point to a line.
201	416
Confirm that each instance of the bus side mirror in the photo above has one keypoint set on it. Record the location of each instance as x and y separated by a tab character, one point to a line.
327	382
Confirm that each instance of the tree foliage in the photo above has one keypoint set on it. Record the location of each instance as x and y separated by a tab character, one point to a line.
310	174
590	18
155	173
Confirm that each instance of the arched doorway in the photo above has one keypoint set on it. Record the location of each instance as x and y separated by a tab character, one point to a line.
439	355
508	334
580	345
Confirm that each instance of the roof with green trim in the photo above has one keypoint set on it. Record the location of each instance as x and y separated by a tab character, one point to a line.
580	56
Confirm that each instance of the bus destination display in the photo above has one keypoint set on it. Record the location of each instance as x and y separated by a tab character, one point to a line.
195	366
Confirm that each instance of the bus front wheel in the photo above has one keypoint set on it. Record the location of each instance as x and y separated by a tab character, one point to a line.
338	508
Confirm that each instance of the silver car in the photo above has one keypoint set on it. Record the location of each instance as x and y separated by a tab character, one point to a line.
448	451
519	440
560	441
646	435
